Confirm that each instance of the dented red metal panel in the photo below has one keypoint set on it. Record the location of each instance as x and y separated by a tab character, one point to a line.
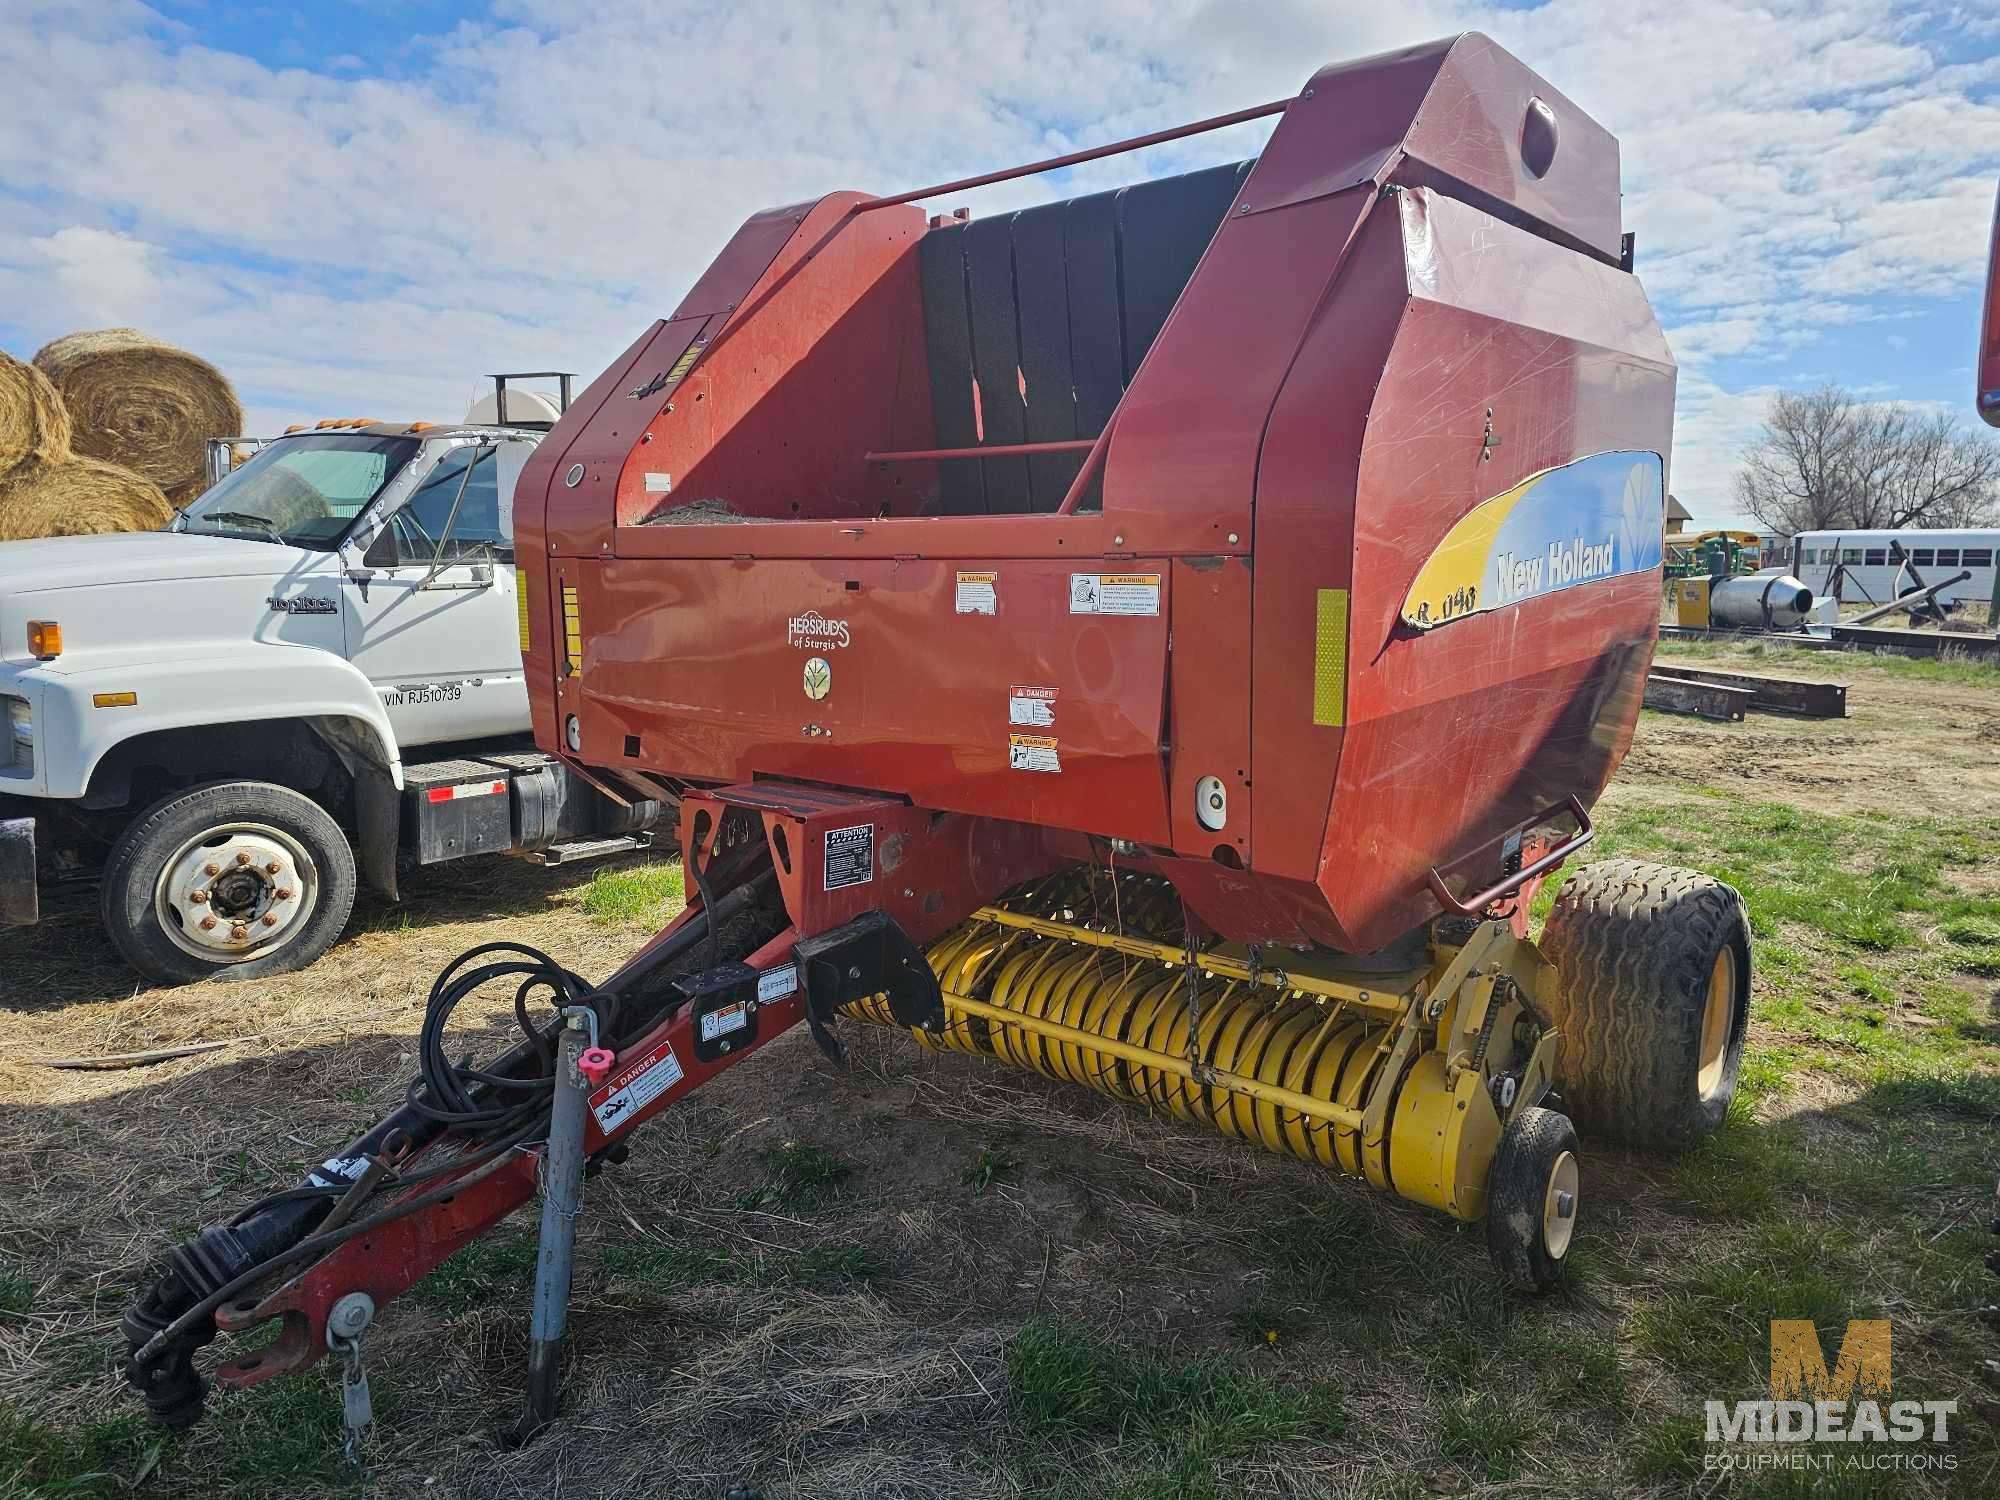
1504	139
1456	734
915	686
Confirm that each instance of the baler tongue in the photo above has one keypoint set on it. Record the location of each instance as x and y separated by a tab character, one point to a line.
1161	640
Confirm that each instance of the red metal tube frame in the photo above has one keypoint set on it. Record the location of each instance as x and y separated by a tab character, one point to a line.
1137	142
390	1259
1477	905
994	450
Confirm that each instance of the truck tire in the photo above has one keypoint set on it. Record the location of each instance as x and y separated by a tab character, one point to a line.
234	880
1654	971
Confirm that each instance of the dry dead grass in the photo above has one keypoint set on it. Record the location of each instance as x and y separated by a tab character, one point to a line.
862	1347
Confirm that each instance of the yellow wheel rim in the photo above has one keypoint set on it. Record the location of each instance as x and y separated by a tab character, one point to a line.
1559	1206
1716	1017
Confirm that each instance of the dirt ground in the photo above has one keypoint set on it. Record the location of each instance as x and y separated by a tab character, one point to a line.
968	1200
1906	741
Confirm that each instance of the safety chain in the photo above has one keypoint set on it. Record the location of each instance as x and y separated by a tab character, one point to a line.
345	1325
1204	1074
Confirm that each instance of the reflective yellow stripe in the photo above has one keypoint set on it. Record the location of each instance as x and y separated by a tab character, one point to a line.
521	604
572	630
1330	659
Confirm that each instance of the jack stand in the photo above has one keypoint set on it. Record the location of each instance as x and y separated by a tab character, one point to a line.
562	1192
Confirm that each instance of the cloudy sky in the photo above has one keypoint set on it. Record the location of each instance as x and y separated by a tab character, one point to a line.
361	207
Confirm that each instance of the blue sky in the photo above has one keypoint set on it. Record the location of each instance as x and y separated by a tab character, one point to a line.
362	207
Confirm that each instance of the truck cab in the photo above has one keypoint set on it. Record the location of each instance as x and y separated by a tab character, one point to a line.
310	678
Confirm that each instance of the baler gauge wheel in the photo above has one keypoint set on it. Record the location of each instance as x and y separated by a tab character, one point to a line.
1532	1199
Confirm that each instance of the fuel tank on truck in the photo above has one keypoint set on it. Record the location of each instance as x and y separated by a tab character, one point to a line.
1292	526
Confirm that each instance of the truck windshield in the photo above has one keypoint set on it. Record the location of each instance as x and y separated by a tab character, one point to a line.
302	490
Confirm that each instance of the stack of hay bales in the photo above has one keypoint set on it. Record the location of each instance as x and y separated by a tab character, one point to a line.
106	431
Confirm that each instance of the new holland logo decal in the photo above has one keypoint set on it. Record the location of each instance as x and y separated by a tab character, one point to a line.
1600	517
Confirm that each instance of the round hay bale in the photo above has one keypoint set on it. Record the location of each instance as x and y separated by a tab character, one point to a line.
143	404
34	424
78	497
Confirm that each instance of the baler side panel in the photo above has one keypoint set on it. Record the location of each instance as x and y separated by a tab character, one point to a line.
822	362
534	539
1182	466
1460	732
704	662
1308	478
1209	701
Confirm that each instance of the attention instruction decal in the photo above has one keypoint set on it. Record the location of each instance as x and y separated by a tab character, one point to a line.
1600	517
850	856
1114	593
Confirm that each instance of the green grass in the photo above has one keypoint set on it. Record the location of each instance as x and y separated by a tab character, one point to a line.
990	1167
483	1270
676	1268
1864	942
102	1456
635	893
1173	1423
802	1176
1484	1433
17	1294
1807	662
288	1432
1710	1321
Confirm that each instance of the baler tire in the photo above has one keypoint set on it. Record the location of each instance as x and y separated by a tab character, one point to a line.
1527	1231
1654	978
136	874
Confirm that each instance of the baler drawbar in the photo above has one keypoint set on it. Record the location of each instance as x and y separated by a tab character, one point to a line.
1161	640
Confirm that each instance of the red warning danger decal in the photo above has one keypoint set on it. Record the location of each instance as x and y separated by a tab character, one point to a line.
635	1085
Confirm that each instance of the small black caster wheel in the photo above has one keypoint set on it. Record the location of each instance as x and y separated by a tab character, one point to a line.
1531	1199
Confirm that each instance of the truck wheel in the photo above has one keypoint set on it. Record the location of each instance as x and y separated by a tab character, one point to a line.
1531	1199
231	881
1654	970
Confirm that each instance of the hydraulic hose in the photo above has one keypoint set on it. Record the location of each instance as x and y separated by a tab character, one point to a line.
502	1106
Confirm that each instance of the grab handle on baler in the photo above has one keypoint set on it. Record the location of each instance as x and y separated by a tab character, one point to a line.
1475	905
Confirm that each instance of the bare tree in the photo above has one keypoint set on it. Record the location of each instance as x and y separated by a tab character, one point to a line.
1826	461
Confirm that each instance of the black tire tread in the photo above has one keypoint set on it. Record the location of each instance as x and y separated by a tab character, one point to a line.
126	907
1529	1147
1633	943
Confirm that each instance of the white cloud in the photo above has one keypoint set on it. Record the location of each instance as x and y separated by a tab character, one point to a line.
531	188
99	275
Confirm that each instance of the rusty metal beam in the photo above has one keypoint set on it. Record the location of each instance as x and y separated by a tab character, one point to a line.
1681	695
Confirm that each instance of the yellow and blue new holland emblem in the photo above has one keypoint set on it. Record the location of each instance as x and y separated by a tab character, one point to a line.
1596	518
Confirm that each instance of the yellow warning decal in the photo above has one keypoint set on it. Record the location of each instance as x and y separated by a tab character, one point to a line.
684	363
1330	659
521	603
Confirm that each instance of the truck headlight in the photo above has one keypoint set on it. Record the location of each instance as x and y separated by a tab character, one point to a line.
20	732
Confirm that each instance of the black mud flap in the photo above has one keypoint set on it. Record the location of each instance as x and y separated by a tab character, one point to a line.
19	906
870	955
